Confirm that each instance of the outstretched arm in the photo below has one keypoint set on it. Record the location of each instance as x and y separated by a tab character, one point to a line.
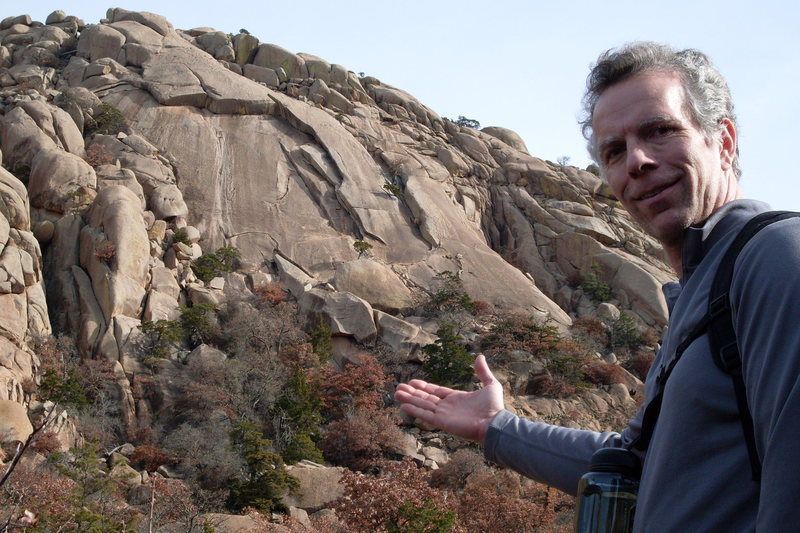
464	414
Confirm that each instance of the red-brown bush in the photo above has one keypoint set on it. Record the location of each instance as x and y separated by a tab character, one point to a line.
639	363
601	373
361	440
369	502
272	293
354	387
151	457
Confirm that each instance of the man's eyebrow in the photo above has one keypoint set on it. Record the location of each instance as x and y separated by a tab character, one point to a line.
608	141
642	126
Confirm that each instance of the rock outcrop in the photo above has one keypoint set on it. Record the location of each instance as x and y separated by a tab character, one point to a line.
130	149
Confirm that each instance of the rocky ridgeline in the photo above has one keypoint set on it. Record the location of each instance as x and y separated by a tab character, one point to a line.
291	160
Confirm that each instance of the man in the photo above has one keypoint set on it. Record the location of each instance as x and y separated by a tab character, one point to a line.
661	126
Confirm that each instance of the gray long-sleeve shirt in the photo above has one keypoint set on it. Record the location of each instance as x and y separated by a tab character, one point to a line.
696	472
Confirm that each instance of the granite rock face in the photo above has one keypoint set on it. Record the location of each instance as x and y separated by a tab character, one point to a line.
119	137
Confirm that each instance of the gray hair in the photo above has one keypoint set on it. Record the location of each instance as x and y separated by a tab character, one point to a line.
708	98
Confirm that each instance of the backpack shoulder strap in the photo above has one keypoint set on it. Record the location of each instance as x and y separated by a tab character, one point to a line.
721	333
718	323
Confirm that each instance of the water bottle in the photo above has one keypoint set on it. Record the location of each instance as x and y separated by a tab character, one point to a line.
607	493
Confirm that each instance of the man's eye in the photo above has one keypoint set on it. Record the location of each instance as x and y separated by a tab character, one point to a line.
663	130
611	154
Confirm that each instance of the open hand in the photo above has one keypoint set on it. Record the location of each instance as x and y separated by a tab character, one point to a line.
464	414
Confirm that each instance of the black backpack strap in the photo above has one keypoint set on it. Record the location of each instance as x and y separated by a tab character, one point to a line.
721	334
718	322
653	409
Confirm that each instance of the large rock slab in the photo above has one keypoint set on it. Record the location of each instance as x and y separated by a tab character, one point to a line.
56	176
375	283
115	251
319	485
345	313
14	422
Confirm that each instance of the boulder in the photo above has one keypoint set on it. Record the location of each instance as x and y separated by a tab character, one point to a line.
166	202
508	136
100	40
115	250
345	313
319	486
56	176
375	283
404	338
14	422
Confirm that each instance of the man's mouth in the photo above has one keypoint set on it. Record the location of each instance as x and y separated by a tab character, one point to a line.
655	192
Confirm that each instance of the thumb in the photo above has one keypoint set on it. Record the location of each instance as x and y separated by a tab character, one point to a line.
482	370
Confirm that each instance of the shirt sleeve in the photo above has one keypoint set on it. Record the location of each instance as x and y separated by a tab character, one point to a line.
765	300
554	455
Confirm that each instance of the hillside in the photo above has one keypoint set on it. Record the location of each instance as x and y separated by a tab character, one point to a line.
217	257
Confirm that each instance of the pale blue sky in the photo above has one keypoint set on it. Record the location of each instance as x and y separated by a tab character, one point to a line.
522	64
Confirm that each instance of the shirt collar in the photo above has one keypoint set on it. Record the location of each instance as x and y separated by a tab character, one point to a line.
698	240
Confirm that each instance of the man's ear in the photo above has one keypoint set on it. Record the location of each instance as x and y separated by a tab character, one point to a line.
727	148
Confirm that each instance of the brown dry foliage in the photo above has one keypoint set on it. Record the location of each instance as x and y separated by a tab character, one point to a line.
453	475
106	251
151	457
592	329
369	501
354	387
601	373
272	293
98	155
360	440
502	501
639	363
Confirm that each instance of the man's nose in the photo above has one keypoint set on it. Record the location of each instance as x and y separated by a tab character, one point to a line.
639	159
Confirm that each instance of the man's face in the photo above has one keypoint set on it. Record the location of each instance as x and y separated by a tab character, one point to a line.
658	162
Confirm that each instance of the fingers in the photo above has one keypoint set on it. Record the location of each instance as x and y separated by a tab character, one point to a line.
417	412
482	370
429	388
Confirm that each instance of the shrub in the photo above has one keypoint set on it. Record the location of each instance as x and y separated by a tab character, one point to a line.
297	414
595	287
63	388
150	457
196	323
449	294
106	251
570	366
624	333
601	373
362	247
271	293
447	362
46	443
360	440
515	331
209	266
108	121
180	235
158	338
301	446
98	155
394	190
591	331
502	501
356	386
266	478
322	341
639	363
421	518
454	474
371	502
468	122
